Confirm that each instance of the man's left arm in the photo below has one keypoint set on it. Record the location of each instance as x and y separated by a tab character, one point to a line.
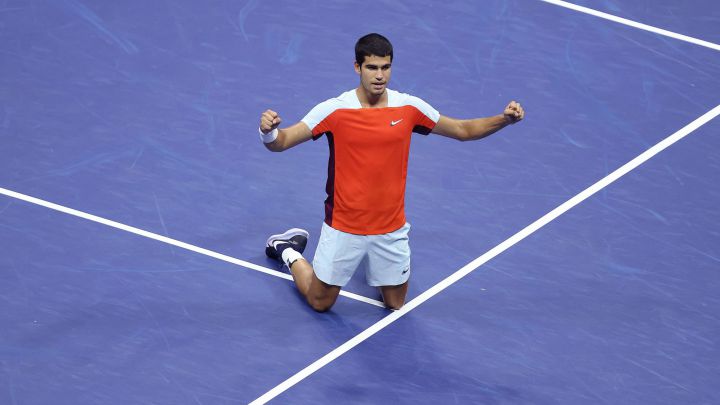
478	128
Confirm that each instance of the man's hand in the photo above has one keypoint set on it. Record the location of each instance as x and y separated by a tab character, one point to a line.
269	121
513	112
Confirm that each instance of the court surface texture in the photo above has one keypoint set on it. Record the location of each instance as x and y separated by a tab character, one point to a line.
573	258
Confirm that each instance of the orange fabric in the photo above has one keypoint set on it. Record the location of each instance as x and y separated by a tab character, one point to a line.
367	171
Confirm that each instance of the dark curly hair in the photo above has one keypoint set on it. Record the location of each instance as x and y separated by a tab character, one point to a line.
372	44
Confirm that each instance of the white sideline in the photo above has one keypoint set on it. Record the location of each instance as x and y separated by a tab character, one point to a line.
634	24
472	266
165	239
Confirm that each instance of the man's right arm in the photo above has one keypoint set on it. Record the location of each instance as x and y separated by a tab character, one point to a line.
286	137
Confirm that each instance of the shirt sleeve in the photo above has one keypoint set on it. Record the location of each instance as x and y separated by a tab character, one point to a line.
426	117
317	119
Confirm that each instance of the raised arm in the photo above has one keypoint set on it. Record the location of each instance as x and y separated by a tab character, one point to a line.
278	140
478	128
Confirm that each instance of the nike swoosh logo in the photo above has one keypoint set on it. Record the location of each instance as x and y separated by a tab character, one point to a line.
279	242
393	123
406	270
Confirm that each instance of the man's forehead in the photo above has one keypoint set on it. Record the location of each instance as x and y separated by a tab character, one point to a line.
377	60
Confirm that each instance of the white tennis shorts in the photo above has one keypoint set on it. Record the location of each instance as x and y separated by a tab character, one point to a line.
385	258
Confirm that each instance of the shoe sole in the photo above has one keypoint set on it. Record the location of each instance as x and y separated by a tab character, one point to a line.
287	235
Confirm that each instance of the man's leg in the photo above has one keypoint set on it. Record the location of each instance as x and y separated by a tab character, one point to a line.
287	248
321	296
394	295
389	265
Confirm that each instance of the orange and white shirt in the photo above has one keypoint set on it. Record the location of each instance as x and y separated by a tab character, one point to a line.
369	150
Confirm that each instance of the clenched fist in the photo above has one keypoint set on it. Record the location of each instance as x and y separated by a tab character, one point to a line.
269	120
514	112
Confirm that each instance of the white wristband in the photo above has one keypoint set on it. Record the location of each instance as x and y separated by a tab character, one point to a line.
270	136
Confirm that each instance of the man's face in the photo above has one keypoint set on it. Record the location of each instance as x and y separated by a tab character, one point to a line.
374	74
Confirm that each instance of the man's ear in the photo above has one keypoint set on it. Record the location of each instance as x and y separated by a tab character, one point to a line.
357	68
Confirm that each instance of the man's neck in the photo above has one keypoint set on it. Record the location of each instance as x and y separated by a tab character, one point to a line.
371	100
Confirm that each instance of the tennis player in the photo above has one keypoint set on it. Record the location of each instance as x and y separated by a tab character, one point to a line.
368	131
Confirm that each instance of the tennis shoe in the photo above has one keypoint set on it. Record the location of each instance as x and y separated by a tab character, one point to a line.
294	238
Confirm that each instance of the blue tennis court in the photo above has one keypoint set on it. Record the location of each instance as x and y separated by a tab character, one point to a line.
572	258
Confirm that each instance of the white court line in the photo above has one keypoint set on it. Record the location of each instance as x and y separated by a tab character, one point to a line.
472	266
634	24
170	241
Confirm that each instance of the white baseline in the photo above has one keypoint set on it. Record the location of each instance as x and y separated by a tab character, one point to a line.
634	24
472	266
165	239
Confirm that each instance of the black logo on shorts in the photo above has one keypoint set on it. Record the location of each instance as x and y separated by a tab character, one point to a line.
406	270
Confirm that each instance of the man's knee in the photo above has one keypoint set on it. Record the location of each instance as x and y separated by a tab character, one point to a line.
321	295
395	304
394	295
320	305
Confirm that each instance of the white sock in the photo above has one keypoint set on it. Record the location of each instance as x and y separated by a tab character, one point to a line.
290	255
